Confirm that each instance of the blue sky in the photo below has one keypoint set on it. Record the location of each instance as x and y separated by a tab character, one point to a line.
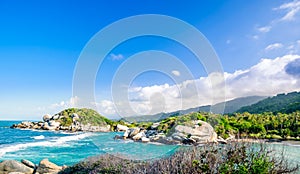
40	42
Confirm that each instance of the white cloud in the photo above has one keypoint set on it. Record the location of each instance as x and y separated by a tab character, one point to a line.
291	8
264	29
274	46
105	107
116	56
268	77
176	73
293	47
57	107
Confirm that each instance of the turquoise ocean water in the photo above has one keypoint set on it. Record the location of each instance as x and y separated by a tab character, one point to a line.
70	148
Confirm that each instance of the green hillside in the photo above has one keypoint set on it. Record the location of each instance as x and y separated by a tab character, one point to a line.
283	103
86	116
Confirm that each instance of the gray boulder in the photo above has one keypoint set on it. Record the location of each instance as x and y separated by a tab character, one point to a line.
15	166
198	132
28	163
121	128
47	117
54	124
46	166
145	140
133	132
139	136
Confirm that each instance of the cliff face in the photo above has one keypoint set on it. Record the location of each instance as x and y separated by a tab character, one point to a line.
72	119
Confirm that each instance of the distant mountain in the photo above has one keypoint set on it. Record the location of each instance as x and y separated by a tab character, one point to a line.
284	103
231	106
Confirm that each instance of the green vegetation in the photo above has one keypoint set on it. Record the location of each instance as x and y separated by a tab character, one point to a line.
282	103
242	158
86	116
265	125
167	124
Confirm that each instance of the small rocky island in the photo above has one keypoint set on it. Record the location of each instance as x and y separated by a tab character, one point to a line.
72	119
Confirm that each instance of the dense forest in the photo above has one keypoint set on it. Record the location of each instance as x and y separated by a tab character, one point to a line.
282	103
266	125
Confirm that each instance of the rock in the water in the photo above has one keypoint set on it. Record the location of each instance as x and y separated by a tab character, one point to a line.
139	136
46	166
151	133
28	163
145	140
54	124
133	132
47	117
178	136
15	166
121	128
118	137
126	133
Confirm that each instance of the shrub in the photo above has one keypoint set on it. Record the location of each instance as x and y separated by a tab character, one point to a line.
231	158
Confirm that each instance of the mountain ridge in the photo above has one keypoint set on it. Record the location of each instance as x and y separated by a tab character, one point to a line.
230	106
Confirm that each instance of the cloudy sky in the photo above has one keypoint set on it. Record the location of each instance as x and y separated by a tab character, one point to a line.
257	43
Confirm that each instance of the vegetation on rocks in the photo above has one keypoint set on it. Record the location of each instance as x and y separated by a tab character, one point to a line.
86	116
167	124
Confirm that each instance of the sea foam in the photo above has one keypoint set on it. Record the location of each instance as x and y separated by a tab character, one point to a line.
54	142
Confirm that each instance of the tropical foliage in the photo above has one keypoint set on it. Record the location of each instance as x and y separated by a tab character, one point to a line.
265	125
283	103
240	158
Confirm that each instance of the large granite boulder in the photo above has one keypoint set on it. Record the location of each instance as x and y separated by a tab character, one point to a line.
133	132
10	166
121	128
139	136
90	128
47	117
198	132
28	163
46	166
53	123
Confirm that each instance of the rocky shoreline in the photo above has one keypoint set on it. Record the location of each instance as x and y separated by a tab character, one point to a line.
195	132
28	167
198	132
55	123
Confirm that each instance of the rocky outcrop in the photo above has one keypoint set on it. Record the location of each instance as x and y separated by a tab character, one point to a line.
10	166
195	132
46	166
27	167
199	132
28	163
55	123
121	128
47	117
